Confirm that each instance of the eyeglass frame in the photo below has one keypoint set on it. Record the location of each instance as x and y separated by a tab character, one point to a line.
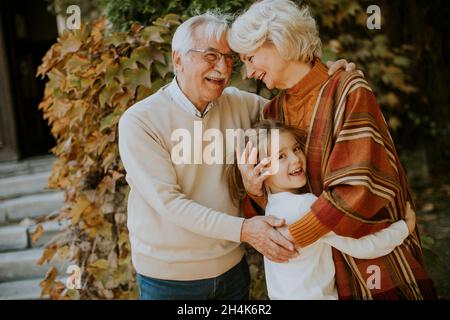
234	57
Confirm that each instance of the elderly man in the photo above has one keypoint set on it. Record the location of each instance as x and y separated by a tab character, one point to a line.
185	232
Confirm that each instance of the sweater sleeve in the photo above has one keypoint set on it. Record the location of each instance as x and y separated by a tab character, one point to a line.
373	245
151	173
360	176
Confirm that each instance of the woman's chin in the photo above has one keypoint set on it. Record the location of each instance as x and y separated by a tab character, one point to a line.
269	84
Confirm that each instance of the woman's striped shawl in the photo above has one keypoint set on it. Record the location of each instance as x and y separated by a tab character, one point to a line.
355	171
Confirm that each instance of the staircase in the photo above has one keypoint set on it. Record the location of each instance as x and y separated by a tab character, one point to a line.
25	201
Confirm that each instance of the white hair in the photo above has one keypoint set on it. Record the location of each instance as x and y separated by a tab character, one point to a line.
213	27
291	29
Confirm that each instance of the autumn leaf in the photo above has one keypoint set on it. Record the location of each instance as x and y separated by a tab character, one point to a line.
113	70
76	63
70	45
100	264
110	120
137	77
78	209
47	283
143	55
116	39
153	34
107	92
48	254
37	233
162	69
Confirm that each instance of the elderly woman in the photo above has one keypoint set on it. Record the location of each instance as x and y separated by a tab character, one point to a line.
352	164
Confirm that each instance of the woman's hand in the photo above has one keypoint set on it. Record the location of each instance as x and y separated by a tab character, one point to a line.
334	66
410	218
252	174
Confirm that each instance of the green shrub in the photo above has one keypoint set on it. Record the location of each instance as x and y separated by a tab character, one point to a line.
123	13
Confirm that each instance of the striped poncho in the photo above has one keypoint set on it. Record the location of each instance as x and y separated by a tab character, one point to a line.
355	171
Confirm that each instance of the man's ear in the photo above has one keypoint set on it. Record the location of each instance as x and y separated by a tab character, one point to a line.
176	60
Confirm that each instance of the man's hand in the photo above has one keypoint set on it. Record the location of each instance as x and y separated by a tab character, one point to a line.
334	66
252	174
284	230
261	234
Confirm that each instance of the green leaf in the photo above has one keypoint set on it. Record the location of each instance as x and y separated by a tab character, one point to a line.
136	77
162	69
153	34
113	70
143	55
110	120
108	91
116	39
100	264
76	63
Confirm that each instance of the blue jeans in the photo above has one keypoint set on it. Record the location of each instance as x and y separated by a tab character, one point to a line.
232	285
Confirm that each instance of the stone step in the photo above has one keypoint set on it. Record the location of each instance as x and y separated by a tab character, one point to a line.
22	185
18	237
27	166
21	290
21	265
28	289
50	230
13	238
31	206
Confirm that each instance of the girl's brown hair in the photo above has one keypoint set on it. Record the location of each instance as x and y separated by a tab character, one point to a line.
236	187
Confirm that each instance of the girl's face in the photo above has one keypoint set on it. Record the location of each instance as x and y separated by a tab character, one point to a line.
291	174
266	64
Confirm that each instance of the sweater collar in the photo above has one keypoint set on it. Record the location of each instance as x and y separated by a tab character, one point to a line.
314	78
183	102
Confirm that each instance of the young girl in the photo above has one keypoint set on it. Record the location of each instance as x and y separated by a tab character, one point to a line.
311	275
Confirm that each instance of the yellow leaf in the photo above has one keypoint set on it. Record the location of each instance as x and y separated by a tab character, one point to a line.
100	264
72	44
63	251
48	282
37	233
48	254
79	208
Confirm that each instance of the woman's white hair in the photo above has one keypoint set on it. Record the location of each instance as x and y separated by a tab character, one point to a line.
291	29
214	27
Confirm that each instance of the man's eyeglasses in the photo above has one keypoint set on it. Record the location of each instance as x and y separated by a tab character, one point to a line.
213	56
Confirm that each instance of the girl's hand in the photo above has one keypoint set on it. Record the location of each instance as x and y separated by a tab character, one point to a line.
410	218
252	174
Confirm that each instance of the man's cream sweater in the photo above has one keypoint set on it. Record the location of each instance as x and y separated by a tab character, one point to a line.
182	223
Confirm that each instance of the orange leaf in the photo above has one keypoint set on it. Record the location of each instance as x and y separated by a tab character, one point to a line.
37	233
48	254
78	209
